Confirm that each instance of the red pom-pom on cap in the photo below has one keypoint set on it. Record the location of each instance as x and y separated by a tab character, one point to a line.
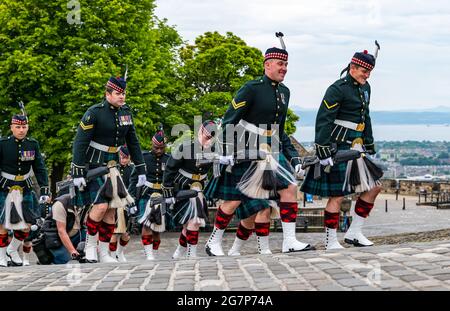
365	52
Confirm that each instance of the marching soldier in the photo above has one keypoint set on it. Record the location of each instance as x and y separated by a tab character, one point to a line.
103	129
183	171
120	232
260	109
343	119
155	162
19	206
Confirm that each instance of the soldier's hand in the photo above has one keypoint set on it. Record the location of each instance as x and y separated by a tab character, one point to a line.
226	160
141	180
79	182
327	162
299	171
44	199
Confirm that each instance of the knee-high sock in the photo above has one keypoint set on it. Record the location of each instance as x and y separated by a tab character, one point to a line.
222	219
331	220
243	233
192	237
262	228
288	211
105	232
363	208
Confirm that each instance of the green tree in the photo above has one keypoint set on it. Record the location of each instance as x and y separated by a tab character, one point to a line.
59	68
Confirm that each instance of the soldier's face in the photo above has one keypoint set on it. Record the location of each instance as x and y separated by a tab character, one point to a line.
360	74
115	98
19	131
158	151
276	69
204	140
124	160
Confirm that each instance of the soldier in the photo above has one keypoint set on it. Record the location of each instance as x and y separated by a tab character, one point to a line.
103	129
343	118
120	232
259	107
155	162
183	171
19	206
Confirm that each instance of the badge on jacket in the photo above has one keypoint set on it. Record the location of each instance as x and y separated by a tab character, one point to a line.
125	120
27	155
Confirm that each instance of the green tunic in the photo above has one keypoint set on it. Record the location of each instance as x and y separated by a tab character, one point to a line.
110	126
345	100
263	102
17	157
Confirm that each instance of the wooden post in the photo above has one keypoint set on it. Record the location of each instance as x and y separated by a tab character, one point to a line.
386	206
404	205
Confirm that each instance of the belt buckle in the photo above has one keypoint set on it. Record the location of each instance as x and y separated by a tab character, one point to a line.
196	177
112	149
19	178
111	164
157	186
360	127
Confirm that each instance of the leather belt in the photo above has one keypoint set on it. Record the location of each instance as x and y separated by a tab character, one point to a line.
104	148
197	177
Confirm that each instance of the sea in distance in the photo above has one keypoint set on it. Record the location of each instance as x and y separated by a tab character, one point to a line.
384	132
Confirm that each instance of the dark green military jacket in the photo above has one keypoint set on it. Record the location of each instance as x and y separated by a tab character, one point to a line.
107	125
344	100
125	173
184	157
17	157
155	169
263	102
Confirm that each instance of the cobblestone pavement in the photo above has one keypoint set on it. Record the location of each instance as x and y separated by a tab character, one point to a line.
411	266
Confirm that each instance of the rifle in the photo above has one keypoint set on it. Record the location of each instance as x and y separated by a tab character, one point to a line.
181	195
91	174
339	156
239	157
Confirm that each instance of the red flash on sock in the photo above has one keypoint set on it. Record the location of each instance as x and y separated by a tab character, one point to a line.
288	211
222	219
331	220
363	208
243	233
262	228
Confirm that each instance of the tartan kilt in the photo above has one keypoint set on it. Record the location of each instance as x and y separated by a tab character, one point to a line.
224	186
89	195
30	206
181	207
142	203
249	207
331	184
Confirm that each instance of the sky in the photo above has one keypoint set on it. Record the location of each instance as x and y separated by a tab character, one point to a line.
321	36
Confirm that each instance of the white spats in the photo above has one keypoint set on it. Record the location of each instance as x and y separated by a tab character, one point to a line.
331	241
290	243
263	245
103	253
191	251
214	245
90	248
148	251
236	248
354	234
3	257
13	253
26	259
120	253
179	252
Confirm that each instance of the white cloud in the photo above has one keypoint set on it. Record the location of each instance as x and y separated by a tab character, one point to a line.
321	36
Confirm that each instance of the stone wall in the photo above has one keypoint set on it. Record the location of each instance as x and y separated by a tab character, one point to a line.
412	187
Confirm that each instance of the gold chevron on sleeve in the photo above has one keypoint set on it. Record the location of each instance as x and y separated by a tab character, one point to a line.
86	127
328	105
238	105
